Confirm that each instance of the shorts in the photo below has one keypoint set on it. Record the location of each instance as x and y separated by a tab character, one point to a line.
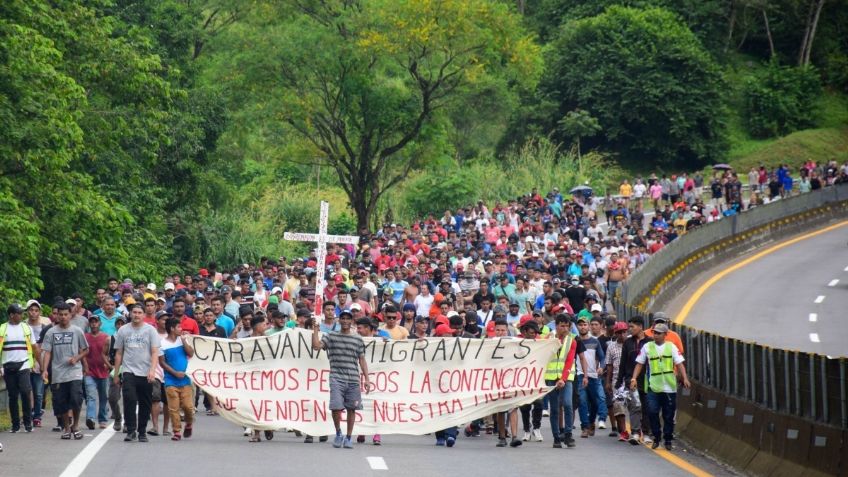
619	408
66	396
344	395
158	392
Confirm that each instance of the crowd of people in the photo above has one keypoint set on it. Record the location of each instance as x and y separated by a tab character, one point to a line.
537	267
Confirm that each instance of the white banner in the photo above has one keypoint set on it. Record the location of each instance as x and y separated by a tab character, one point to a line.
420	386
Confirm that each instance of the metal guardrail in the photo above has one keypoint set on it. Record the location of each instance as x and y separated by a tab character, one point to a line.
810	386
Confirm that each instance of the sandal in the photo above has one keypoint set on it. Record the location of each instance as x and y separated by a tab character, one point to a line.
254	439
66	435
166	434
176	436
77	435
210	412
153	432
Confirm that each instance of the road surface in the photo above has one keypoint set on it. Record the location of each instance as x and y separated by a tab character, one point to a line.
793	298
218	449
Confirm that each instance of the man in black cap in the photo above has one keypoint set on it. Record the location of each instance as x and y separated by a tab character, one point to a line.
17	354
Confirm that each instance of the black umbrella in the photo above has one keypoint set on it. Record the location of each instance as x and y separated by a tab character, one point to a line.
581	189
722	167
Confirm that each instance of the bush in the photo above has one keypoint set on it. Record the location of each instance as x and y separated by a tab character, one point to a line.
780	99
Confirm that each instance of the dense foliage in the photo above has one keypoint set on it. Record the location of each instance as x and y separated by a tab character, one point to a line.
138	137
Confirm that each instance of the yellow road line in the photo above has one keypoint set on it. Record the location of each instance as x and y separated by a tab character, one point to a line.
697	472
687	308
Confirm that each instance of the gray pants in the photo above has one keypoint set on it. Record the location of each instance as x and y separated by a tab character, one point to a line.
115	402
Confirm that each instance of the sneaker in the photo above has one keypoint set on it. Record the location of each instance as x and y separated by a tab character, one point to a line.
669	446
602	424
377	440
592	430
89	423
338	441
501	443
557	445
623	436
131	436
57	429
440	441
269	435
247	432
14	430
468	431
655	444
613	434
323	439
569	441
116	426
633	439
647	439
187	432
537	435
585	433
348	443
360	439
515	443
526	436
142	438
36	422
546	413
308	440
450	441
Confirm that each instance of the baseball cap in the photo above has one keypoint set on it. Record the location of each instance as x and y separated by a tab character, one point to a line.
443	330
162	313
660	328
530	325
346	313
660	317
276	290
169	286
419	319
151	287
71	301
203	272
226	289
356	307
15	308
31	303
596	307
619	326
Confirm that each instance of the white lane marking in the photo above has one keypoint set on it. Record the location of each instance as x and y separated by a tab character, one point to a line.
814	337
846	269
81	461
377	463
833	282
814	317
819	299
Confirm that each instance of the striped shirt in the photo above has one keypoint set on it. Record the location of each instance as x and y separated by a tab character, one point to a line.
343	351
14	345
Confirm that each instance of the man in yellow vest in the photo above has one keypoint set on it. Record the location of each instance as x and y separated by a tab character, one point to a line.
560	373
664	363
17	355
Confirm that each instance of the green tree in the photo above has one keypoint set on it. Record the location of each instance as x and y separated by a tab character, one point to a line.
780	99
366	84
577	124
653	88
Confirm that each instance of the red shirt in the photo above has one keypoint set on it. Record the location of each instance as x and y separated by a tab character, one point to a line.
96	365
189	325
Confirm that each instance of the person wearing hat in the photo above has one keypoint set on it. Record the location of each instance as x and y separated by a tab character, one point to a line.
419	329
17	356
672	336
622	399
348	367
391	324
663	364
37	323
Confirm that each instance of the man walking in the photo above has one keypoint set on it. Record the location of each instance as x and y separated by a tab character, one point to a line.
663	362
18	355
560	373
97	374
346	352
64	348
137	350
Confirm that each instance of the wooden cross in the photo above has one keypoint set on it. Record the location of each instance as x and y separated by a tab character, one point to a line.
322	238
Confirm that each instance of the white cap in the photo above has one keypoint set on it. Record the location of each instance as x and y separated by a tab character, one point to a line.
356	306
597	307
151	287
529	238
391	242
71	301
452	314
585	240
32	302
169	286
276	290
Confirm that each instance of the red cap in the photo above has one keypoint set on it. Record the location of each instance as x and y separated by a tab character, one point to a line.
203	272
524	319
338	278
490	329
619	326
443	330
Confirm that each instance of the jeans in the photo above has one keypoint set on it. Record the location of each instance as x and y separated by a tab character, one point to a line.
667	404
561	399
180	397
37	384
536	414
593	405
137	392
445	433
18	385
96	394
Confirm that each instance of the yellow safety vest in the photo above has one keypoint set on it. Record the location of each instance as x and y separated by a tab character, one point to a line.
555	367
4	328
661	369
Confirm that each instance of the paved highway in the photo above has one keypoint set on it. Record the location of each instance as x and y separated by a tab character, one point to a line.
794	297
218	449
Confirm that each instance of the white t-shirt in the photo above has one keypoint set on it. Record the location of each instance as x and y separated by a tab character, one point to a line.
639	190
15	333
422	305
661	350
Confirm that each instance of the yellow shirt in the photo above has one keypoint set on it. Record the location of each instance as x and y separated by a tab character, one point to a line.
626	190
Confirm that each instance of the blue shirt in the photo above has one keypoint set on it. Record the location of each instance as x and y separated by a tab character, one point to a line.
176	358
226	323
397	288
